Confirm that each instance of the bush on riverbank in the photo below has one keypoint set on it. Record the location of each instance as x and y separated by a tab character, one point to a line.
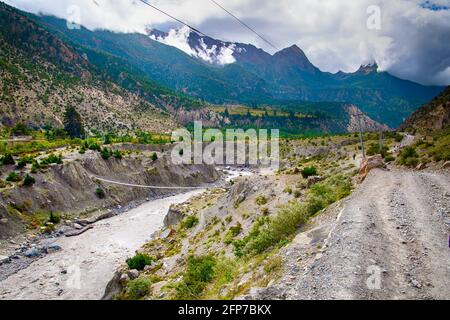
139	261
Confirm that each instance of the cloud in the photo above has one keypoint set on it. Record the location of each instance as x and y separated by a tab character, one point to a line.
411	43
179	38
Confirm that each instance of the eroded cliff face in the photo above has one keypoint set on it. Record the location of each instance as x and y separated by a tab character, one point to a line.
69	189
357	118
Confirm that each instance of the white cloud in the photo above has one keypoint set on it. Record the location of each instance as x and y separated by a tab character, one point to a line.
179	38
412	42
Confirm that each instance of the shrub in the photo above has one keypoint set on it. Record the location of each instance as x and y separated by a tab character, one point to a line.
22	162
261	200
107	139
138	288
13	177
190	222
94	146
82	150
117	154
105	153
389	158
7	159
54	217
139	261
35	166
52	159
309	172
20	130
409	157
297	193
100	193
232	233
200	271
374	149
288	190
154	157
29	181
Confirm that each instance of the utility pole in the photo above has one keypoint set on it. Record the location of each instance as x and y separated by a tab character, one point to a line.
361	135
381	140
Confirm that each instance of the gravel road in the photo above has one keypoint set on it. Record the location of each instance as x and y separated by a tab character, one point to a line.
86	263
388	240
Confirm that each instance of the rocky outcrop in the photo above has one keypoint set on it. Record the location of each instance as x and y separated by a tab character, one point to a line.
173	217
358	119
369	164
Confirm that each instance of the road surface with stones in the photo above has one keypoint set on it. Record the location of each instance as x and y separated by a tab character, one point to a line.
388	240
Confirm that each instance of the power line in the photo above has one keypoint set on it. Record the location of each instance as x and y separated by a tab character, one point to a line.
176	19
245	25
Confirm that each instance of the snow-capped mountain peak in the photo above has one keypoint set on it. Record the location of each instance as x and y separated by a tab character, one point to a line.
207	49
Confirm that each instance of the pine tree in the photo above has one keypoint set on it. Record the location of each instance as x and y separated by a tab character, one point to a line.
72	123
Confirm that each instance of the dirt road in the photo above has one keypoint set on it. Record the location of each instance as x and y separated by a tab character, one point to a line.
389	240
86	263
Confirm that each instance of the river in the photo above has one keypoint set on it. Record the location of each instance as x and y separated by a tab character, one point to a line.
86	263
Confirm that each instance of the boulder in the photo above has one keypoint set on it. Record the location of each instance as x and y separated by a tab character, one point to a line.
167	233
32	253
77	226
173	217
133	274
124	278
3	221
52	248
446	165
369	164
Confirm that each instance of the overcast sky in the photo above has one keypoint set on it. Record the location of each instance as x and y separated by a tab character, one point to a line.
411	39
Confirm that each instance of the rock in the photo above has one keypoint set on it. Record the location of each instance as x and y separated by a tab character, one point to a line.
82	222
148	268
416	283
173	217
3	259
369	164
53	248
421	166
167	233
133	274
446	165
124	278
77	226
314	179
32	253
4	221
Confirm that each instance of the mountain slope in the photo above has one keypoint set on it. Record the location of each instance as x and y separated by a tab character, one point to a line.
434	115
290	75
250	75
41	75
